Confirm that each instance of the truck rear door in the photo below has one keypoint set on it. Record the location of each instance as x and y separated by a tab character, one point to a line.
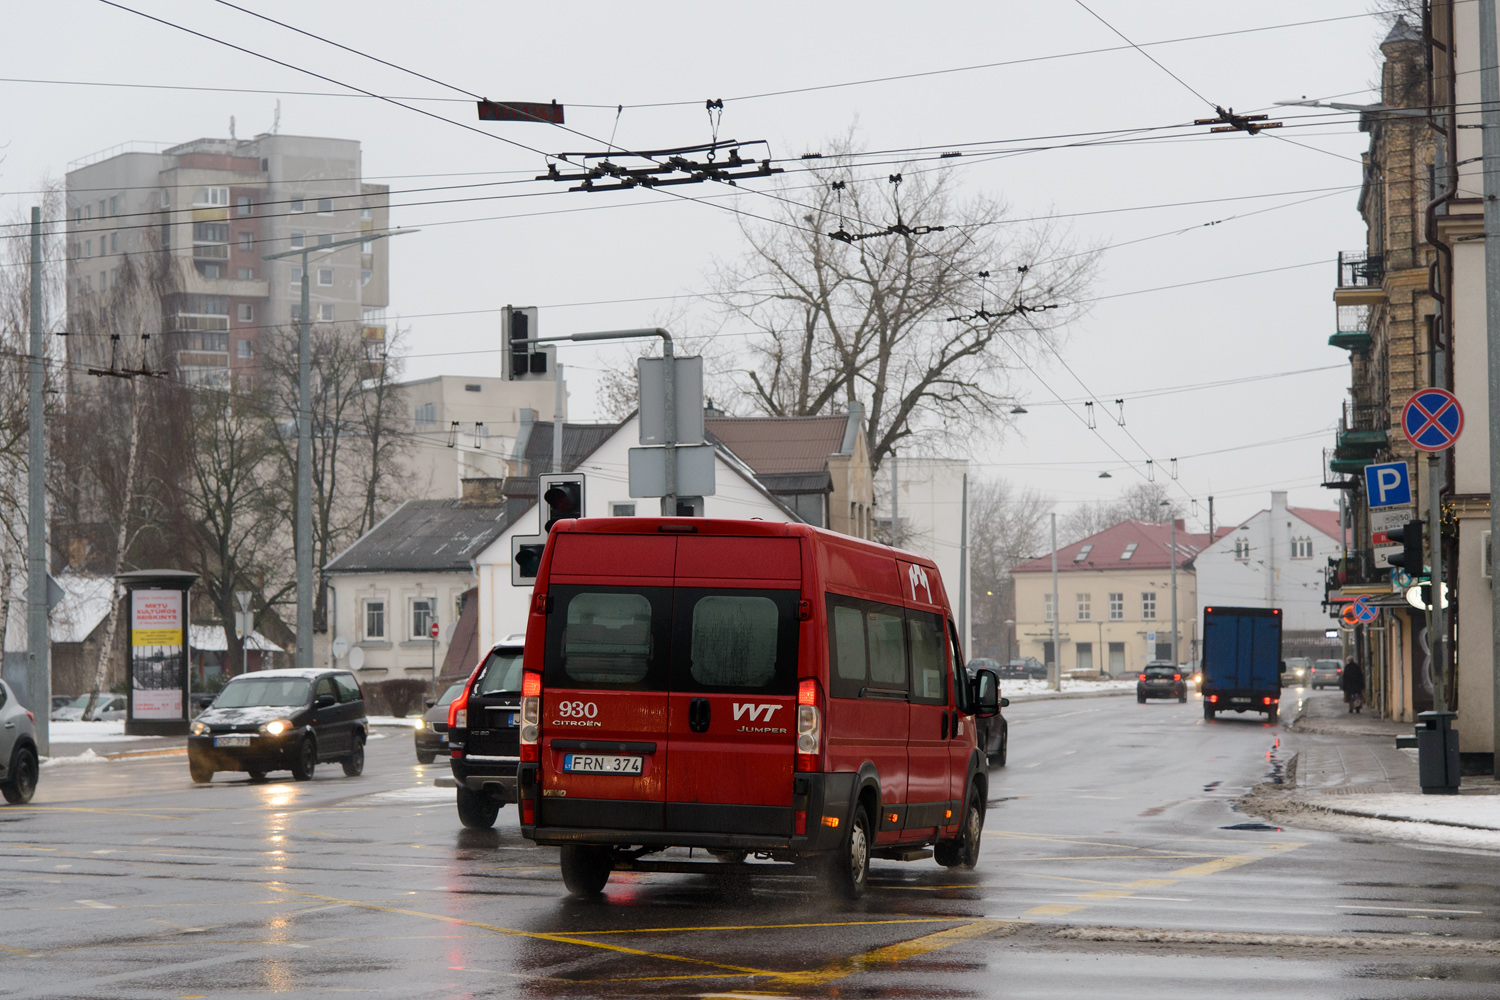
732	717
604	698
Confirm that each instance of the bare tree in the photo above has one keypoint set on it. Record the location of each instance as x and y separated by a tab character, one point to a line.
1007	526
1141	502
924	324
384	424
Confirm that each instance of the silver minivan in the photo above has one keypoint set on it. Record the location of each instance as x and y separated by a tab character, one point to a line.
18	759
1326	673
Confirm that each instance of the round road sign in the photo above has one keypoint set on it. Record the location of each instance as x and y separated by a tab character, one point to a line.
1432	419
1363	611
432	630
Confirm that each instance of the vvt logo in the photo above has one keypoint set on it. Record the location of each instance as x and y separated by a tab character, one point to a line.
741	709
918	577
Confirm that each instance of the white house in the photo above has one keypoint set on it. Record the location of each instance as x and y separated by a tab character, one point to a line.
1276	558
738	494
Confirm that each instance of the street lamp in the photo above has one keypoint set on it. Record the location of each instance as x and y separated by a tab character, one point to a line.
304	443
1010	635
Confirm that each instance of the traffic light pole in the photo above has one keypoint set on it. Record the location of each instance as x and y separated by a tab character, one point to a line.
1489	95
38	642
1436	634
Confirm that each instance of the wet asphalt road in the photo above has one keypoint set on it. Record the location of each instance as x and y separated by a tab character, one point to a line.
1114	822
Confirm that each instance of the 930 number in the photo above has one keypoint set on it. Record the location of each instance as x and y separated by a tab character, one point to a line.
577	709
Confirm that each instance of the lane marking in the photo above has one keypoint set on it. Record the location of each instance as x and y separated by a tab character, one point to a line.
1054	910
1406	909
1154	935
534	935
1106	894
879	958
93	904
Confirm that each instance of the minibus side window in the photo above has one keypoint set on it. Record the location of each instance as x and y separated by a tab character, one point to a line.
846	640
928	658
887	649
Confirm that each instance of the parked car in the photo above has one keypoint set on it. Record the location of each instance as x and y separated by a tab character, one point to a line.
1298	671
109	707
59	701
276	720
1024	668
484	734
431	731
18	757
699	682
1326	673
1161	680
982	663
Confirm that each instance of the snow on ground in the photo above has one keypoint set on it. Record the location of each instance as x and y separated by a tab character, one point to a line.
416	795
90	732
87	757
410	722
1026	688
1456	810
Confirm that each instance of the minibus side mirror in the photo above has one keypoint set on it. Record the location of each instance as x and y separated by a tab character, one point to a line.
987	700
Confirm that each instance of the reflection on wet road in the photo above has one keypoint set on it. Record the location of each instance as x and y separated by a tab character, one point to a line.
1114	864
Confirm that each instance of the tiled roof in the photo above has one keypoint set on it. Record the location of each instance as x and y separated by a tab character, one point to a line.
772	445
1106	550
429	536
1326	521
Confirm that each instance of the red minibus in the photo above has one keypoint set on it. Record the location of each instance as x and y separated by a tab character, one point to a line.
745	687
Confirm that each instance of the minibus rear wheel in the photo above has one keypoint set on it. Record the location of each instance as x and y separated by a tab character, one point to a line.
849	866
585	868
963	850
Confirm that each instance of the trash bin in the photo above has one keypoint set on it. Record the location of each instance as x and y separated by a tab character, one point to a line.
1437	753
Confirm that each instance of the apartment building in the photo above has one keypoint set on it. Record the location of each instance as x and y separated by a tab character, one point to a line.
218	207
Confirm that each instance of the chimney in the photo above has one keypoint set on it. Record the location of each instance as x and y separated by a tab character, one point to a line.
481	492
1278	504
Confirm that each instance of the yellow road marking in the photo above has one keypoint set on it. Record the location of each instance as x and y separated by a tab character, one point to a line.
1053	910
1088	881
1221	865
1015	835
107	812
1117	857
899	952
1107	894
535	935
1151	883
767	927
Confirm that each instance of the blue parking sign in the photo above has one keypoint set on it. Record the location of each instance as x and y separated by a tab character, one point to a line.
1387	485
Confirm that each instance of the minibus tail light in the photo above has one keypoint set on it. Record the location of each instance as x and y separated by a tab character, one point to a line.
528	812
531	714
809	724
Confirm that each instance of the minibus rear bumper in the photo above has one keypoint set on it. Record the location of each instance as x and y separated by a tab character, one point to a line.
827	800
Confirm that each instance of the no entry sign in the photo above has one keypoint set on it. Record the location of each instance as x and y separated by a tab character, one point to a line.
1432	419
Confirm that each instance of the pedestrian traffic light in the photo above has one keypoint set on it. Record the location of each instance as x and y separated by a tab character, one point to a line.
562	497
1410	556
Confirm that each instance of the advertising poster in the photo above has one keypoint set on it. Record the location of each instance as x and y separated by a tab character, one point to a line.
157	657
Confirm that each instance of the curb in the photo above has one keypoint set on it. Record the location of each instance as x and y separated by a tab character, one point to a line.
1067	695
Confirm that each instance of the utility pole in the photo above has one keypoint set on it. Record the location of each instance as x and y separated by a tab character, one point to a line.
895	506
669	425
1054	669
557	422
1211	537
38	648
1489	95
963	563
304	443
1174	589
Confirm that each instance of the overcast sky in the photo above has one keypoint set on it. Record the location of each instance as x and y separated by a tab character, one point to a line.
475	256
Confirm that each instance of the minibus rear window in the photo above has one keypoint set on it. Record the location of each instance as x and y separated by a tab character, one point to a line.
734	641
604	637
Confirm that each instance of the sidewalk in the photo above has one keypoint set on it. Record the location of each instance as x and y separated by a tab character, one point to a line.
1348	776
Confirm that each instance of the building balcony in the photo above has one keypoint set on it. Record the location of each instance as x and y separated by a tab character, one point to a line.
200	322
1351	340
1347	466
1359	444
1360	278
211	251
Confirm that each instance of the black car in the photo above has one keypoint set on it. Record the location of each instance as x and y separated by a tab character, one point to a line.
484	738
1161	680
281	720
1026	668
431	732
992	734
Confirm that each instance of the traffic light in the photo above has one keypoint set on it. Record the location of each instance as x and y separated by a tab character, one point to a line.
562	497
523	358
526	558
1410	556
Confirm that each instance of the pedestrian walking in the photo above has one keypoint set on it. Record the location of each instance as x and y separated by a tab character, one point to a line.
1352	680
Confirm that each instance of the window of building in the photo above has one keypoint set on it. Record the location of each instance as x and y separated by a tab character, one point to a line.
1085	607
210	232
296	312
114	279
247	241
368	246
325	276
1129	551
1047	612
245	274
364	214
1116	607
247	312
211	196
1148	605
88	281
103	280
325	239
1083	553
243	205
423	614
295	205
622	510
114	242
299	240
1085	653
374	619
365	274
166	198
1242	549
426	414
88	211
1302	548
88	248
210	270
247	348
325	313
114	204
296	276
325	206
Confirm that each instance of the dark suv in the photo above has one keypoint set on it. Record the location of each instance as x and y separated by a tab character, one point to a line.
1161	680
484	739
275	720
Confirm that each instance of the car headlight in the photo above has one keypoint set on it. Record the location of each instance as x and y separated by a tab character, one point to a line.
199	728
276	727
420	724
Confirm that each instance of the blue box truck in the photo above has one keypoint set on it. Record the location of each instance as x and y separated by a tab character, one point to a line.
1241	661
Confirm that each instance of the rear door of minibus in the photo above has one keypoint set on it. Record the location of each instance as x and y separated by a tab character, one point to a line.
733	685
604	698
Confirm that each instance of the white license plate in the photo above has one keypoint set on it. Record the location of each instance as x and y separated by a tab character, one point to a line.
1240	699
442	737
601	763
231	741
